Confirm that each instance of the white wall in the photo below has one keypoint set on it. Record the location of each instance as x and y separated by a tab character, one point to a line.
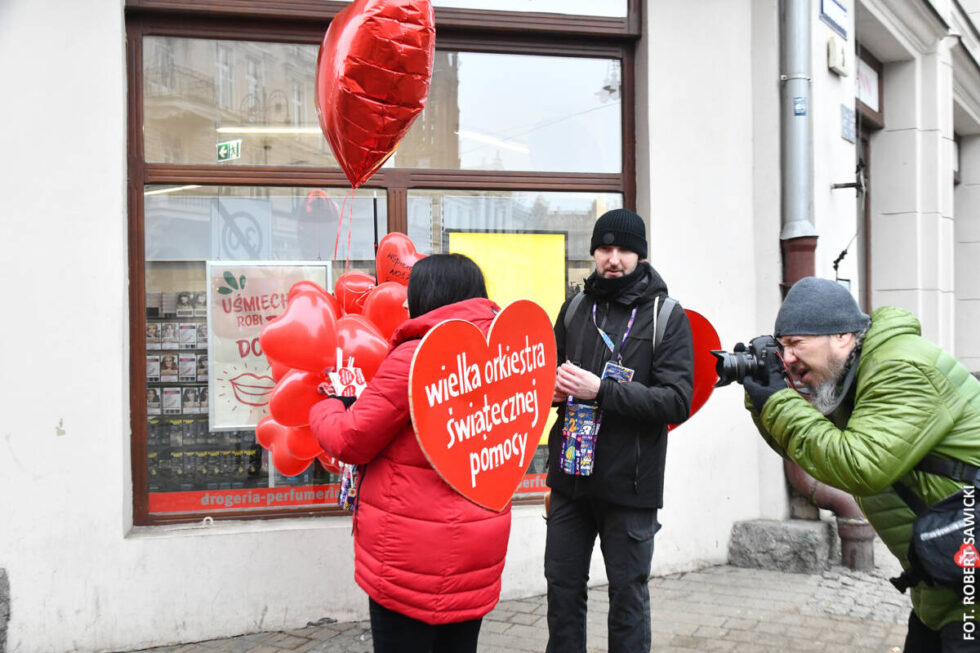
967	254
834	158
707	180
911	163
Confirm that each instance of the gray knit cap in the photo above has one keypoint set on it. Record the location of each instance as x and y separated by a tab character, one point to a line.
818	307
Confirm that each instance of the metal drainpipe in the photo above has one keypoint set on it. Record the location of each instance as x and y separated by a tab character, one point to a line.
798	240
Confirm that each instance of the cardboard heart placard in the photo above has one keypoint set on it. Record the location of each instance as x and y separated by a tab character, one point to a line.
704	338
479	404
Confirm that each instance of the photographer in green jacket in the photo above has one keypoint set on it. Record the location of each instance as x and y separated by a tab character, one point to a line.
874	398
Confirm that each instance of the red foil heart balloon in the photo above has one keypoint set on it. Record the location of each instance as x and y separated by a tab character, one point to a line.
268	432
351	289
302	444
311	286
293	397
479	405
372	79
359	338
395	258
285	462
384	306
305	336
329	463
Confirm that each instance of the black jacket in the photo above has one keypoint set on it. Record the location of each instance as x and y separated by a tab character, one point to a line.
632	444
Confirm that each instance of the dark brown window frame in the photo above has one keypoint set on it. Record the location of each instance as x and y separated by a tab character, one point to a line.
304	21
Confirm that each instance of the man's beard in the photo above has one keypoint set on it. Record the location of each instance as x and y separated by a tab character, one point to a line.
825	397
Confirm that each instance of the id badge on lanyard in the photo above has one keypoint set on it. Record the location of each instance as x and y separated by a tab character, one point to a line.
580	431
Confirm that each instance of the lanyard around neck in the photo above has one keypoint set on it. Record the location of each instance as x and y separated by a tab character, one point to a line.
613	349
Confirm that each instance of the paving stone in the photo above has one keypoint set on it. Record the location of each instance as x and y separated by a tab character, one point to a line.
715	609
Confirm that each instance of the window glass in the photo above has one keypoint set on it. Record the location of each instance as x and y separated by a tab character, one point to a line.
433	215
610	8
195	463
248	103
518	112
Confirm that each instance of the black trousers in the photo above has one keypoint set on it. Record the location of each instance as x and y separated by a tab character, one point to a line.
951	639
626	540
393	632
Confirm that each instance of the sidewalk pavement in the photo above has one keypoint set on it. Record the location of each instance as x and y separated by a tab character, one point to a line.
714	609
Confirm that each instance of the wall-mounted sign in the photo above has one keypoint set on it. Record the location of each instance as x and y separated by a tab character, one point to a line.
229	150
834	13
242	298
867	85
847	124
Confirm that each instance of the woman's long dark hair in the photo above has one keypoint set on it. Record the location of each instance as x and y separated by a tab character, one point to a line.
442	279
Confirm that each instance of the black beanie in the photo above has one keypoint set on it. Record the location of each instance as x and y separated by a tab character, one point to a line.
623	228
818	307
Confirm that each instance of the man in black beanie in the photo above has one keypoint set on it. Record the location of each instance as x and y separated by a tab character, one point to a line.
885	415
628	372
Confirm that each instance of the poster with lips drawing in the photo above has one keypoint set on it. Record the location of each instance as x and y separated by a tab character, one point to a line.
242	298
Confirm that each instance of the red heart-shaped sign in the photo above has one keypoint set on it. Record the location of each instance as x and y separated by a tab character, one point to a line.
705	338
305	336
385	307
479	405
395	258
372	79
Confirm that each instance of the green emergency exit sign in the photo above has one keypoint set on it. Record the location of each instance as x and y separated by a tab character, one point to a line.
229	150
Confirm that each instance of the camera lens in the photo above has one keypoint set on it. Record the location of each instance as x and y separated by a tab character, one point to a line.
734	366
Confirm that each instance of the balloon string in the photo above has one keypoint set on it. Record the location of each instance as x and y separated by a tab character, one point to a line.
340	224
350	228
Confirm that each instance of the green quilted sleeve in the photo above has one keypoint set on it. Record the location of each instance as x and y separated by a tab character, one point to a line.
898	417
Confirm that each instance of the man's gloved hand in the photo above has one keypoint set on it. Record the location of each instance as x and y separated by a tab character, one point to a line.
759	393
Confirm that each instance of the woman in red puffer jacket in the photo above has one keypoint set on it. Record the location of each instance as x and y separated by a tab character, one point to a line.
429	559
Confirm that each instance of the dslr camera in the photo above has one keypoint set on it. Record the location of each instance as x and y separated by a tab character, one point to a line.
752	361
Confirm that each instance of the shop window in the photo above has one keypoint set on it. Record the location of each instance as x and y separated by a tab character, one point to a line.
520	147
486	111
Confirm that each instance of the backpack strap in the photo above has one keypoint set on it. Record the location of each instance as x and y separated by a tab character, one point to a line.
660	319
661	315
933	464
950	468
572	307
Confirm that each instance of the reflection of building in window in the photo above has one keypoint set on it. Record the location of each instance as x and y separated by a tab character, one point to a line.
222	73
431	142
194	87
296	102
253	78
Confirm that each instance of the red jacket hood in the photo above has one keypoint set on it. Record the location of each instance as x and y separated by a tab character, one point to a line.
480	312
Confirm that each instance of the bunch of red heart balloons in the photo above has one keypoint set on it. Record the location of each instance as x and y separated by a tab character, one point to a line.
301	345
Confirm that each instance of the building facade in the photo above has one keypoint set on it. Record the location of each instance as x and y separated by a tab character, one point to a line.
169	142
